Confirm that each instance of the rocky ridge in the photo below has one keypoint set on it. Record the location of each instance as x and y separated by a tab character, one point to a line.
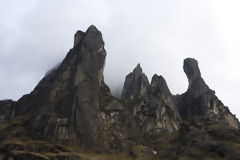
201	100
151	104
71	114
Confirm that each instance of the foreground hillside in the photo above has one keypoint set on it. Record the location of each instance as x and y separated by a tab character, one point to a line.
71	115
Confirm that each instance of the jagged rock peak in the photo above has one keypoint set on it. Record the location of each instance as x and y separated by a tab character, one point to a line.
136	85
71	93
93	28
137	72
159	85
72	106
152	105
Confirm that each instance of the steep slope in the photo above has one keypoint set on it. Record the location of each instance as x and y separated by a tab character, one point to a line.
73	105
71	115
152	104
201	100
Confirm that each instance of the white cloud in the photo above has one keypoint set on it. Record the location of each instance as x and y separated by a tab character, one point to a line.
36	34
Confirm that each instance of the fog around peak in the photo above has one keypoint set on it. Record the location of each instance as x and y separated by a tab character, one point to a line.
36	34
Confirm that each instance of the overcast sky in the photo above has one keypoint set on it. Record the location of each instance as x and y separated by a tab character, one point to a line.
35	35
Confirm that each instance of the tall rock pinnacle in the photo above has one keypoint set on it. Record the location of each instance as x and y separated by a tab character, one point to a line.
196	83
66	102
72	104
200	99
192	71
71	114
136	85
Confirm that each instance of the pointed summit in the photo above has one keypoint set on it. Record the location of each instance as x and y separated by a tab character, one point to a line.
67	104
137	72
159	85
92	28
152	105
71	114
136	85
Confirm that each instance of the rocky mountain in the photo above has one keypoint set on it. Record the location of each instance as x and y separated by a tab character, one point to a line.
201	100
72	115
151	104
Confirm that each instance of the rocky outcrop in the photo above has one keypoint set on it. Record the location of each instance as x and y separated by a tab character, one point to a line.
6	110
136	86
72	104
71	114
200	100
152	104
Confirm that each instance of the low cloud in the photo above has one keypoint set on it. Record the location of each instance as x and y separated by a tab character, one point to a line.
36	34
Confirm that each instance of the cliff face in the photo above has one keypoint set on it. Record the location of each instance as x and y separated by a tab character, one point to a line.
72	104
201	100
6	110
151	104
72	109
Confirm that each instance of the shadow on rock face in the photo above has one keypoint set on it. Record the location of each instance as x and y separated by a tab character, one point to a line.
199	99
72	111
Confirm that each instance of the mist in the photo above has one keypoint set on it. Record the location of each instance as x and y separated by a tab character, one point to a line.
35	35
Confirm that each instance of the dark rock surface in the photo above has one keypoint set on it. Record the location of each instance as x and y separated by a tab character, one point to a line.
72	104
6	110
201	100
71	115
152	104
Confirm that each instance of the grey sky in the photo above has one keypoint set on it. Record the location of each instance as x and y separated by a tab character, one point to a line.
36	34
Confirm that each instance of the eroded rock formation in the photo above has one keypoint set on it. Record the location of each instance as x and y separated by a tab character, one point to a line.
152	104
201	100
72	109
72	104
6	110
